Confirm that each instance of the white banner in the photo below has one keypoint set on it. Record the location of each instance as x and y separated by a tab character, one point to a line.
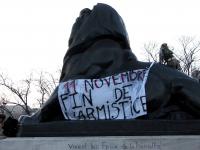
120	96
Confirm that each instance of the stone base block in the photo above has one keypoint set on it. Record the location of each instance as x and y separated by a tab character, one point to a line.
103	143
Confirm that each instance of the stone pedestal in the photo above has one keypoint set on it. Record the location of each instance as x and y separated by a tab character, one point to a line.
103	143
111	128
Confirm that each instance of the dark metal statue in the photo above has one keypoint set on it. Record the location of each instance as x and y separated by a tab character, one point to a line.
196	75
165	54
99	47
166	57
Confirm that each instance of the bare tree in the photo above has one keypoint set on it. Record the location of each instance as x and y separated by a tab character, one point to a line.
21	93
189	52
45	84
152	51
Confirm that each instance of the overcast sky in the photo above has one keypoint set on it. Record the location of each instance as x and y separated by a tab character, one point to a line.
34	33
